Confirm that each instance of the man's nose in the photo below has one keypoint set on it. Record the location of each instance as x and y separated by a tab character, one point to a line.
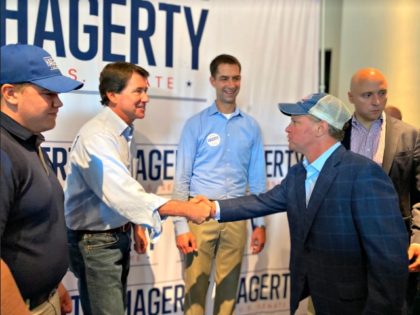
376	99
57	102
145	98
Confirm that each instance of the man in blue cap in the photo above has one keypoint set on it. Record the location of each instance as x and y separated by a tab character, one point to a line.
348	240
34	255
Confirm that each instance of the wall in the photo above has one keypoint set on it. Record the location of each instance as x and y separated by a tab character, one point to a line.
383	34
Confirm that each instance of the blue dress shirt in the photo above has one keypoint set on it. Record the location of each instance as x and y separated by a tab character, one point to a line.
219	158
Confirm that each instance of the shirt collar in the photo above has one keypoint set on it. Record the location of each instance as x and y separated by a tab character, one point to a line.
318	164
357	124
214	110
115	122
19	131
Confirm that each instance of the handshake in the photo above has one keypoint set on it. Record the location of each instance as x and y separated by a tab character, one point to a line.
200	209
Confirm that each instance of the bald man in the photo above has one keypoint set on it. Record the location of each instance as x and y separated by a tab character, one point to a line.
392	144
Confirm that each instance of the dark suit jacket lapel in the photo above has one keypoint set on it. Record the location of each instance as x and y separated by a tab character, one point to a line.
391	141
323	183
300	190
347	135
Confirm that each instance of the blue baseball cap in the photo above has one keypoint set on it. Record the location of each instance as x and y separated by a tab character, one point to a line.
32	64
321	105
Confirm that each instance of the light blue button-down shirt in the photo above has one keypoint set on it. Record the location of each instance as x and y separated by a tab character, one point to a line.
219	158
100	192
313	170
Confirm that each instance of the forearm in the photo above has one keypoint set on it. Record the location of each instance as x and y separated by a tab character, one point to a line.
175	208
11	301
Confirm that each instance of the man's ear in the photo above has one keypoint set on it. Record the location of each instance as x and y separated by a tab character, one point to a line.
212	80
8	93
322	128
112	96
350	97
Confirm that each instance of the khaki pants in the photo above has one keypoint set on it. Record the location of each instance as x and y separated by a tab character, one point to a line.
50	307
224	244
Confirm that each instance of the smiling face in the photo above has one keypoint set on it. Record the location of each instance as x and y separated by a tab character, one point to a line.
368	93
34	108
227	83
130	103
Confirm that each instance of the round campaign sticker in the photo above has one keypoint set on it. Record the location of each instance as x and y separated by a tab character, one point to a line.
213	139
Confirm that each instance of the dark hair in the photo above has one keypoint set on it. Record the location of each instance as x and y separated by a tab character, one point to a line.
114	77
223	59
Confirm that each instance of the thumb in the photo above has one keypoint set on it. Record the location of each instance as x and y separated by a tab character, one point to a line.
193	244
410	252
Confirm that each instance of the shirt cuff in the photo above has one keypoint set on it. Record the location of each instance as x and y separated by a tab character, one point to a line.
181	226
258	222
217	213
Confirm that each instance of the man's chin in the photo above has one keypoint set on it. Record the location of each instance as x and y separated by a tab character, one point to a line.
140	113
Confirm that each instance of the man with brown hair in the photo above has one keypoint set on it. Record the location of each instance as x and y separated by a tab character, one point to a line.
102	197
220	154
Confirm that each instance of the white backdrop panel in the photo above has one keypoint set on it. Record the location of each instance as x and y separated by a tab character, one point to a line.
175	40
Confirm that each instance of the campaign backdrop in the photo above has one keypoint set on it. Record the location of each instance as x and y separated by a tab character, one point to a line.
175	40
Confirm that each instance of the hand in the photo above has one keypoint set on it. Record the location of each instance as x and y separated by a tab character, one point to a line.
186	243
199	209
140	239
414	257
258	240
201	198
204	199
65	300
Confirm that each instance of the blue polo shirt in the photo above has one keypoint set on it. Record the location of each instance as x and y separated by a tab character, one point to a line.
32	228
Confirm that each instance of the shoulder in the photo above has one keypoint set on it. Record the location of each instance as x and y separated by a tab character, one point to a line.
401	126
11	148
351	162
199	119
250	123
408	136
97	126
360	168
249	118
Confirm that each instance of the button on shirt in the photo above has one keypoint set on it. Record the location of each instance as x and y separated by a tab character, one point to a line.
218	158
100	191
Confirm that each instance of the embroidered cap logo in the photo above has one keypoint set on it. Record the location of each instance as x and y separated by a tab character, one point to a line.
50	63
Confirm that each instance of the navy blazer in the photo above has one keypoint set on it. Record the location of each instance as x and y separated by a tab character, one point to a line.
349	246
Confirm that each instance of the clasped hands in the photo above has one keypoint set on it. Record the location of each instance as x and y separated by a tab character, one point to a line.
201	209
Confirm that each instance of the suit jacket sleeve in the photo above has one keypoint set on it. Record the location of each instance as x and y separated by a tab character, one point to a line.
253	206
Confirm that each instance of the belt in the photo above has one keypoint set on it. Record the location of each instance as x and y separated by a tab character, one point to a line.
38	300
192	197
121	229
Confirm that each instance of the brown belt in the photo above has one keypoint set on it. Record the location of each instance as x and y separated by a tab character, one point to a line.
121	229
